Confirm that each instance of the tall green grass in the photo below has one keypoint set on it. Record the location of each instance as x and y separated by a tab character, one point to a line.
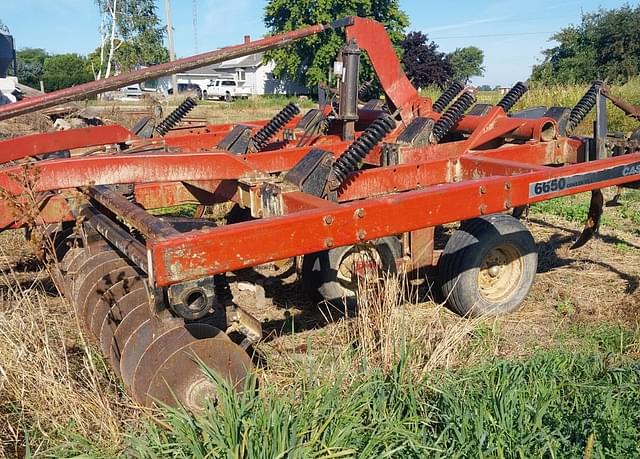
555	404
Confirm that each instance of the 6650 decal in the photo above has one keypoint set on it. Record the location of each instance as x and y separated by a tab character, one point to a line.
550	186
571	181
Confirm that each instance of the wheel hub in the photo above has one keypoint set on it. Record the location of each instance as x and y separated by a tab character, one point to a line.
359	263
500	273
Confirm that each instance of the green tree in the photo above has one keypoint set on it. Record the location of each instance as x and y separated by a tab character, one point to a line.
31	66
606	44
467	63
138	36
65	70
142	33
308	61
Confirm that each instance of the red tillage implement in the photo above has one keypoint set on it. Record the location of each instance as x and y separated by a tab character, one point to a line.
351	188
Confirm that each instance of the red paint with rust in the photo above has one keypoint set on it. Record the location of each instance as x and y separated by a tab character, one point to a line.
481	173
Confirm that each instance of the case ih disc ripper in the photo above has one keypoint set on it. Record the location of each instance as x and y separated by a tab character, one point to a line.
351	189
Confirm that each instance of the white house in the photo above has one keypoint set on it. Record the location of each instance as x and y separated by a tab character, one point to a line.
251	71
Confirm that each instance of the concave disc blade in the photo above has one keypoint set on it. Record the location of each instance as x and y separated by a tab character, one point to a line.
115	316
81	281
63	267
162	348
96	283
134	347
71	266
180	379
68	258
130	282
74	269
125	330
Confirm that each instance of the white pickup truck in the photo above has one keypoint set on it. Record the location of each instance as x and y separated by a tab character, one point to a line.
226	90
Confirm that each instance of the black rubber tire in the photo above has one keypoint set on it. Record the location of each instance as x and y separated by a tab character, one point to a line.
459	265
320	271
227	97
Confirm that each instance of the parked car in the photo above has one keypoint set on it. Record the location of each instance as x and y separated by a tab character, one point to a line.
192	88
132	92
226	90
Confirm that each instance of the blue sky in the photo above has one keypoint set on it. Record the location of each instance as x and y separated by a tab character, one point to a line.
511	33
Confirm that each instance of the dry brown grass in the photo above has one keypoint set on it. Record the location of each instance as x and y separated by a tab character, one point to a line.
52	384
390	325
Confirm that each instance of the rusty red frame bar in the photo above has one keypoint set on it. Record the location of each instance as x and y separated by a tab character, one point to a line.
224	249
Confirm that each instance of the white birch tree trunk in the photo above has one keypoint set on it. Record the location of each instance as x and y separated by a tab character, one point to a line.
103	41
112	45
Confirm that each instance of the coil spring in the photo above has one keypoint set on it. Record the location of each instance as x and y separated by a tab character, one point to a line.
583	107
262	137
364	93
176	116
452	116
445	99
513	96
350	160
222	289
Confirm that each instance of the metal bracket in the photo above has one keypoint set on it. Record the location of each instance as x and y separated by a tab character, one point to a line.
480	110
417	133
237	141
601	126
561	116
145	127
312	172
390	155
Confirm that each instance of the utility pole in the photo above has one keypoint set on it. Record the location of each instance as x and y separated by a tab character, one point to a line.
172	49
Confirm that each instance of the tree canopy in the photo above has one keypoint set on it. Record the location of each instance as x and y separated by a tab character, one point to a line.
142	33
606	44
423	63
138	35
309	60
467	63
65	70
31	66
56	71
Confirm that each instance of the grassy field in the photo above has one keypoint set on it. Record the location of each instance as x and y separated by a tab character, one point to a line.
404	378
